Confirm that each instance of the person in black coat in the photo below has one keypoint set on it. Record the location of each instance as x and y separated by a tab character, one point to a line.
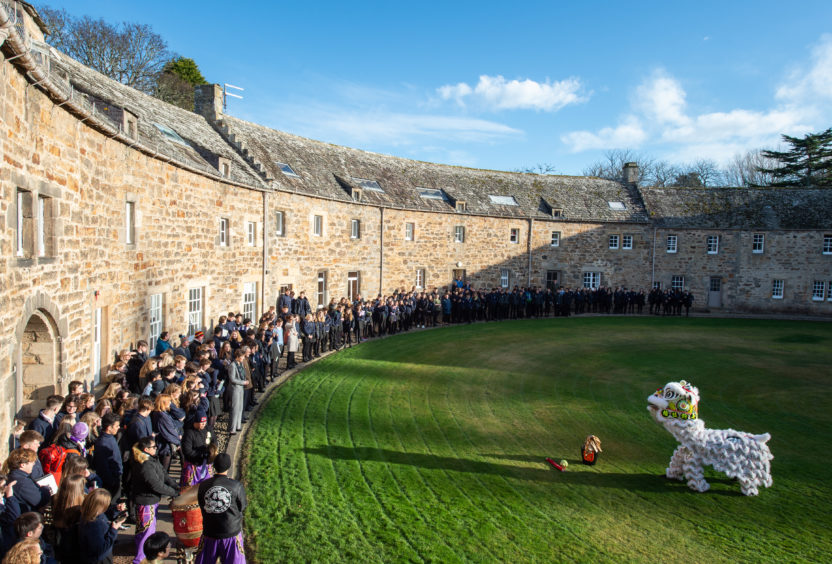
29	495
134	367
150	483
9	511
197	451
107	459
96	533
222	502
45	422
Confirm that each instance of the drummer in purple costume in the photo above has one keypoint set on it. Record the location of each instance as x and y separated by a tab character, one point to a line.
222	502
196	452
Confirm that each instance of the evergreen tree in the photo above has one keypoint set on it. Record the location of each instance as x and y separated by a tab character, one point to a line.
807	163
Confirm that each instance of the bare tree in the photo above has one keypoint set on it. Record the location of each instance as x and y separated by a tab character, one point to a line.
540	168
745	170
130	53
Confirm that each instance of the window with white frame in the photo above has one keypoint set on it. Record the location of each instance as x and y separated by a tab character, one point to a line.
627	242
459	234
23	243
251	233
130	223
672	243
224	232
613	241
409	231
777	289
318	225
514	235
321	290
555	241
505	278
195	301
250	300
156	316
713	244
592	279
279	223
758	243
420	278
827	244
818	288
355	229
353	284
677	283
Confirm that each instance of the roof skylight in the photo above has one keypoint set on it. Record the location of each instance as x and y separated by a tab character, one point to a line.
433	194
503	200
617	206
170	134
287	170
371	185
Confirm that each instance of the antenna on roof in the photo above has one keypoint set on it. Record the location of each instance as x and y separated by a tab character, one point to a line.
226	94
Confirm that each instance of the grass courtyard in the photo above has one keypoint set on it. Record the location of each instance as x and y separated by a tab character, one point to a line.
430	446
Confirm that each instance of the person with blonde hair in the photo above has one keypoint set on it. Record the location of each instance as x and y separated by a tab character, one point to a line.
26	551
149	366
168	436
93	421
96	533
105	406
111	391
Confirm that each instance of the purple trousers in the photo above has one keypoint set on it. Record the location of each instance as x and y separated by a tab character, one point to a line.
229	551
145	526
193	474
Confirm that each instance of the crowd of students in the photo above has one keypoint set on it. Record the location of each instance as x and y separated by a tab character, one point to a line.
110	457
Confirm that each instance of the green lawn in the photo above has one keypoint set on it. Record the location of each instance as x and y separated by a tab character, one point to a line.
430	446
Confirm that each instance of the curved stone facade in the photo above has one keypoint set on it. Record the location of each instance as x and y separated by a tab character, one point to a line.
118	209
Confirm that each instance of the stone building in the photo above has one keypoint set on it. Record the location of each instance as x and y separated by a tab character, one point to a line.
123	215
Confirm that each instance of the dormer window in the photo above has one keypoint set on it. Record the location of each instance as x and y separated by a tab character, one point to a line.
557	213
224	166
461	206
130	125
356	194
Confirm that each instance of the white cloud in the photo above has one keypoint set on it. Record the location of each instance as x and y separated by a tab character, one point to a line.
659	115
806	86
661	98
628	134
362	127
497	93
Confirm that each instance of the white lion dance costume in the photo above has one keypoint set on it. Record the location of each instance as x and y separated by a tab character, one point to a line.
739	455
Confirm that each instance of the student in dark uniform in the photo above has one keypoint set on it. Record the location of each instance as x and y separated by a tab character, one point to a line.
222	502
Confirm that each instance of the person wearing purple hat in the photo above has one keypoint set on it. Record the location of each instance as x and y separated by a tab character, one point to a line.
78	436
197	451
222	502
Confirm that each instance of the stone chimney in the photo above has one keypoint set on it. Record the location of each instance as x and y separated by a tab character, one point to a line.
208	101
630	173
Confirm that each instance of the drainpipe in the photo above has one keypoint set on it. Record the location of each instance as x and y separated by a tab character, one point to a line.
381	252
653	261
529	252
264	270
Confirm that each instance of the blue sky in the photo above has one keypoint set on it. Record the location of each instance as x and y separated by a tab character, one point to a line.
500	86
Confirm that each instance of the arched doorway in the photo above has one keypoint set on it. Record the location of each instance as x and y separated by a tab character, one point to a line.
38	364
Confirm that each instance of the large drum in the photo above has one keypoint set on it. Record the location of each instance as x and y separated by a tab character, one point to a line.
187	518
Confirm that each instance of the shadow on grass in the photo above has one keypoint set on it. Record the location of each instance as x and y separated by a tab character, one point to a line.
431	461
643	482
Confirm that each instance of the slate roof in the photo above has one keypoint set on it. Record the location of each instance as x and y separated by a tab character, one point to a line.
331	171
204	143
740	208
